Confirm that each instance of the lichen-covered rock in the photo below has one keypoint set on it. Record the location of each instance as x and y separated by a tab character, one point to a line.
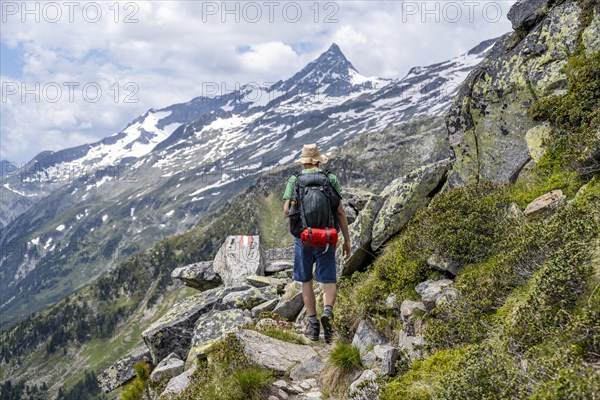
360	232
365	387
173	332
273	354
437	262
249	298
121	372
546	204
238	257
524	13
170	366
403	197
212	327
489	119
366	337
430	291
200	275
535	137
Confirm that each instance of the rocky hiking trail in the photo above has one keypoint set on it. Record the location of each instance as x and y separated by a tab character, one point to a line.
248	292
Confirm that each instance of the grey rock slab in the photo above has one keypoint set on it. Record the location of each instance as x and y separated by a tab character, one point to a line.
289	309
177	384
200	275
366	337
309	368
173	332
170	366
273	354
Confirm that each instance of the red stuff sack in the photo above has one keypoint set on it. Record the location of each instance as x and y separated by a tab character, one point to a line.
319	237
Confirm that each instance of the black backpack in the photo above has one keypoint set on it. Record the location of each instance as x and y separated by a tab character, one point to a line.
314	203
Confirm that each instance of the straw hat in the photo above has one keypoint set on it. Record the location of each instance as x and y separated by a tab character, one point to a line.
310	155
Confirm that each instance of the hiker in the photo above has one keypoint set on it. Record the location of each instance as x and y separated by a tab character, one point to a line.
314	207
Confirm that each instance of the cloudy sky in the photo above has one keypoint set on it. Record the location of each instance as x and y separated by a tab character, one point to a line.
75	72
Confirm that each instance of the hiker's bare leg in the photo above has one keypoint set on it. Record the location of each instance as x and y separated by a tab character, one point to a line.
308	295
330	292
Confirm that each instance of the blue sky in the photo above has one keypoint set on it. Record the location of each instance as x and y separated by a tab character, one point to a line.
172	49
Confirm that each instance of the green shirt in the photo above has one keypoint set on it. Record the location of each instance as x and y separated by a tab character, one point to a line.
289	189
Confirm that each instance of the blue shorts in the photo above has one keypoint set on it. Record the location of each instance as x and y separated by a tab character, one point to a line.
306	256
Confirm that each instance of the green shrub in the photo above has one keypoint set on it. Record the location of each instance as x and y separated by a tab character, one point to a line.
345	357
135	389
574	382
463	225
423	378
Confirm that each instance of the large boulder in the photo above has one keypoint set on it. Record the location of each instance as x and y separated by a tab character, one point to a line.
366	337
200	275
170	366
238	257
211	328
361	234
546	204
403	197
173	332
488	120
525	13
121	372
273	354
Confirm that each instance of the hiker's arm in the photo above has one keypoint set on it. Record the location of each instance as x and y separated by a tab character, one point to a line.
286	208
343	221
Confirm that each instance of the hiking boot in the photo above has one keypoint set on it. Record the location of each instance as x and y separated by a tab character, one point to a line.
312	331
326	320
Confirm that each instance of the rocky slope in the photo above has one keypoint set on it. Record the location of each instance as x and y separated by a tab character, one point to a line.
107	200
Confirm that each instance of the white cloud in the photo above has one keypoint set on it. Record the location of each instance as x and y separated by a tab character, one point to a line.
177	47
